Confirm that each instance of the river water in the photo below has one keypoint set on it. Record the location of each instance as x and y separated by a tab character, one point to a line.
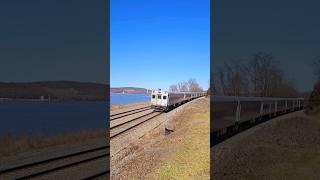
117	98
51	118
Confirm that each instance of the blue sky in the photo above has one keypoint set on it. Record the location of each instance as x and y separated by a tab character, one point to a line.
154	44
53	40
288	29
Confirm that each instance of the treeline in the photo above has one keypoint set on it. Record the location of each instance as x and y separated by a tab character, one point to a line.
186	86
133	90
259	76
313	102
55	90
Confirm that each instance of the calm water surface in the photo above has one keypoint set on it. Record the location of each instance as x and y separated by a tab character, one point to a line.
117	98
44	118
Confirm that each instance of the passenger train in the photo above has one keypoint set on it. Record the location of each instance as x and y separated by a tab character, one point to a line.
231	114
164	100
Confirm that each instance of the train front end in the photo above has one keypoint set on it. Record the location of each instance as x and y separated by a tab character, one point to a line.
159	100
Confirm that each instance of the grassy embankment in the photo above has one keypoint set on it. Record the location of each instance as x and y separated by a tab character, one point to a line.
302	160
190	157
286	148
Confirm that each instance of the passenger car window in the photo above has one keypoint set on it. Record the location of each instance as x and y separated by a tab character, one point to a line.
153	96
164	97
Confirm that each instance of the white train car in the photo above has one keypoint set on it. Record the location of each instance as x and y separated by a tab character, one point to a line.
164	101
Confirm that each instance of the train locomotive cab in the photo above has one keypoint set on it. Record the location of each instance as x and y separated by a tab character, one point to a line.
159	100
163	100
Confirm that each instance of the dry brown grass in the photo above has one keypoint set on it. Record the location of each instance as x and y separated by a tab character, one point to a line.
191	157
183	154
10	145
284	148
189	146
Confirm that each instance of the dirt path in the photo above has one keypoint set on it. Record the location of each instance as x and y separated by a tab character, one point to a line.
287	147
182	154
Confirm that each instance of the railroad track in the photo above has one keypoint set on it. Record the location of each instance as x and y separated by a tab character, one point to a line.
122	127
47	168
128	113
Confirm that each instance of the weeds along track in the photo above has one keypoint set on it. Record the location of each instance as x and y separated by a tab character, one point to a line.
128	124
50	166
128	113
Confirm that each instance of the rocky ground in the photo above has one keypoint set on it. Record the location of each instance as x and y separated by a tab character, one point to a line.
180	154
287	147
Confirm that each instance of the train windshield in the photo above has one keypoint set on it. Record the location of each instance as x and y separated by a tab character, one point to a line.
164	97
153	96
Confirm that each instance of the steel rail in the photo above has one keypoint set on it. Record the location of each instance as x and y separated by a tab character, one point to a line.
134	119
100	174
129	111
36	163
156	114
62	167
124	115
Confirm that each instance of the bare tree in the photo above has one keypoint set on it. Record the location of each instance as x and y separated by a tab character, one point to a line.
173	88
221	79
193	85
232	80
316	63
264	75
214	84
214	87
259	76
182	86
186	86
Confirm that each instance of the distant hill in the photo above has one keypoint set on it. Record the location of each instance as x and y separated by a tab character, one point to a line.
54	90
132	90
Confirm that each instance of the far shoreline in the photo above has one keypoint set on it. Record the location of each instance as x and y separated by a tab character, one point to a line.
51	100
128	93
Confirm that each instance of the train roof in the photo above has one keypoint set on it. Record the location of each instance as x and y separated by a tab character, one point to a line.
243	98
162	91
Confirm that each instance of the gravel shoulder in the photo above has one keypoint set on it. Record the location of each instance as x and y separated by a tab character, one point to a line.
52	152
181	154
126	107
287	147
16	148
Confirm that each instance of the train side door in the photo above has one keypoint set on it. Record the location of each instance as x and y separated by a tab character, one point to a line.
165	99
154	99
158	99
